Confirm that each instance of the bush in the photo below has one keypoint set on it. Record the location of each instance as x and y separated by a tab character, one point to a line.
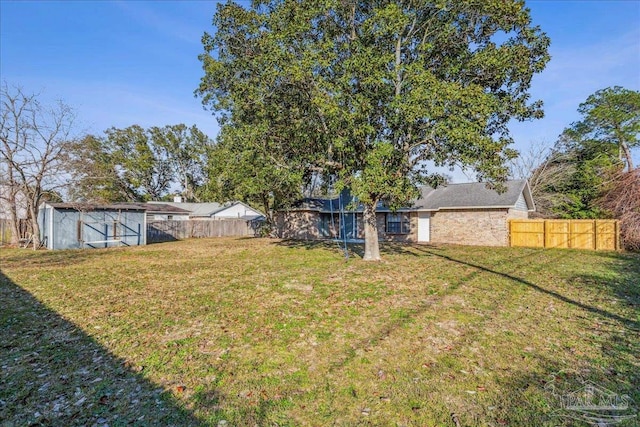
623	200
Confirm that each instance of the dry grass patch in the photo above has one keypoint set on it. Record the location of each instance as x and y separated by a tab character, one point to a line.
263	332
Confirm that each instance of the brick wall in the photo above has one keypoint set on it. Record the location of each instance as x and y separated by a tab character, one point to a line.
481	227
300	225
407	238
303	225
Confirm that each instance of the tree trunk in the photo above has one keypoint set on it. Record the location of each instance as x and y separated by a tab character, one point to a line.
627	155
35	227
371	246
14	220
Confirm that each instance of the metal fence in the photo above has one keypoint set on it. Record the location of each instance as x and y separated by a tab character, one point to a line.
596	234
164	231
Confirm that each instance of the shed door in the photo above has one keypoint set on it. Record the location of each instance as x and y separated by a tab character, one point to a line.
423	226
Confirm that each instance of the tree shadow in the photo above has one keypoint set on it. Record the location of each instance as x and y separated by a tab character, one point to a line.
354	249
626	287
546	389
327	245
53	373
633	324
46	258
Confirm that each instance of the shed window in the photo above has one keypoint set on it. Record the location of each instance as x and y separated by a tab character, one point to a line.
398	223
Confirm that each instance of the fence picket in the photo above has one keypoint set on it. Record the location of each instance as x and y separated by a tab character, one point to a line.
598	234
163	231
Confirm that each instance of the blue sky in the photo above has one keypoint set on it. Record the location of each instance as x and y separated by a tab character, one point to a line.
120	63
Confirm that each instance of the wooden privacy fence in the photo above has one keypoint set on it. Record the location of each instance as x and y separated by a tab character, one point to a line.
598	234
164	231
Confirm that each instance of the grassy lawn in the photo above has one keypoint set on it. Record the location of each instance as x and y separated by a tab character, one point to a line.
264	332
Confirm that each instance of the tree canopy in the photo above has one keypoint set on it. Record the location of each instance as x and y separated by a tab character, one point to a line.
370	93
611	116
587	159
136	164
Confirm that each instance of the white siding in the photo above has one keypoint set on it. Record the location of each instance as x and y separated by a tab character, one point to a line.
237	210
521	204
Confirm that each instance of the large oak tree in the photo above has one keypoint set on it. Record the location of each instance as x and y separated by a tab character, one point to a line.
371	93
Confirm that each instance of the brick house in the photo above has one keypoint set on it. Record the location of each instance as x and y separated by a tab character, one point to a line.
467	214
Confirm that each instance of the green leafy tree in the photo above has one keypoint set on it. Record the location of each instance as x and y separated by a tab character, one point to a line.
136	164
371	92
611	116
589	156
185	150
142	164
246	165
572	180
94	173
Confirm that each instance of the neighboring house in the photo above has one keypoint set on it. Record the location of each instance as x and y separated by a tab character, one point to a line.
468	214
230	210
83	225
160	211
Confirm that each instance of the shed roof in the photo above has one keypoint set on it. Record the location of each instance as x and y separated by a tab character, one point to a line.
97	207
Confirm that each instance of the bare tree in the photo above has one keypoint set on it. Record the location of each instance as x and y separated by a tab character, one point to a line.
623	200
32	144
544	165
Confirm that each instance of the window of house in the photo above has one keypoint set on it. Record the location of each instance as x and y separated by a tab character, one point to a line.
398	223
326	228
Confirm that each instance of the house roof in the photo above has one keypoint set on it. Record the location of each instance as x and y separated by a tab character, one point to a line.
195	209
473	195
208	209
161	208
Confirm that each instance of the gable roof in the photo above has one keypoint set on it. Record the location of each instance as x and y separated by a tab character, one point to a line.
473	195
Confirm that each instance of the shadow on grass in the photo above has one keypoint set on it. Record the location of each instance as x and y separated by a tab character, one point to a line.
626	286
20	258
632	324
545	391
354	249
541	391
53	373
